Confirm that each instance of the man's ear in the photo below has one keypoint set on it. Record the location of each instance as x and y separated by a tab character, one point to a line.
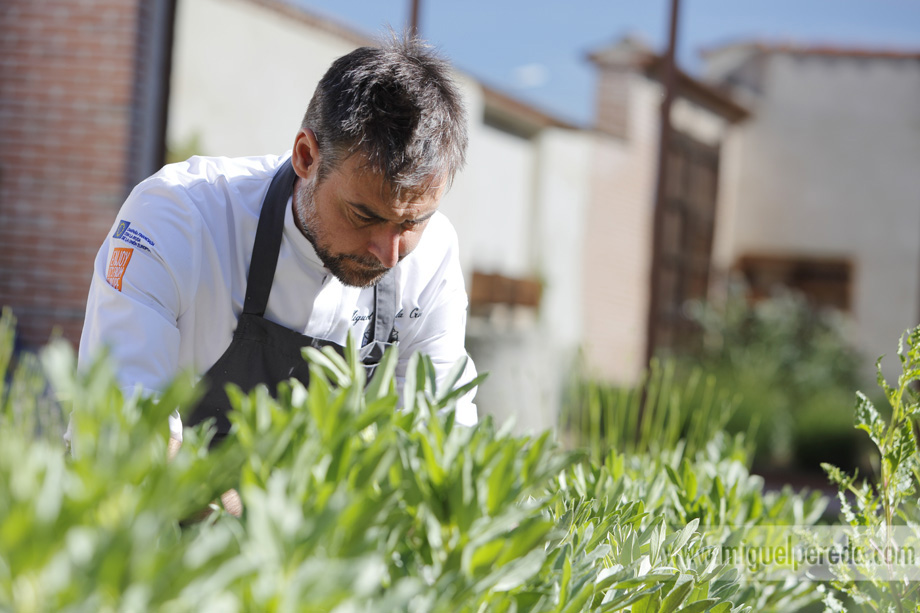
305	158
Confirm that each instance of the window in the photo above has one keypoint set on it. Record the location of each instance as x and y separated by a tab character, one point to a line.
487	291
824	282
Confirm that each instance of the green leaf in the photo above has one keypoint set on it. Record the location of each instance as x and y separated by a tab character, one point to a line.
435	471
648	604
689	479
334	364
616	603
530	534
657	540
453	375
382	381
677	595
566	580
515	574
684	535
410	384
455	393
868	419
485	555
500	480
584	591
674	477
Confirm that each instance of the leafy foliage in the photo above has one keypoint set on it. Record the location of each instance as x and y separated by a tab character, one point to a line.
352	505
879	510
792	371
658	415
665	446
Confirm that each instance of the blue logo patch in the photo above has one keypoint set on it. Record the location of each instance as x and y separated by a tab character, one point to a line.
124	232
121	229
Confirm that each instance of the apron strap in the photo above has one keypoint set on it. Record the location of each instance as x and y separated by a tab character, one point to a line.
384	308
268	240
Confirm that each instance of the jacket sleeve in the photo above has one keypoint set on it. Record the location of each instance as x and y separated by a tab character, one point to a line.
440	327
144	277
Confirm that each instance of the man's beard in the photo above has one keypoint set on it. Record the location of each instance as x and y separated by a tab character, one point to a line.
349	269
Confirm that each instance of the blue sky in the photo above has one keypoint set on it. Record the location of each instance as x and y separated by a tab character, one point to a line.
536	49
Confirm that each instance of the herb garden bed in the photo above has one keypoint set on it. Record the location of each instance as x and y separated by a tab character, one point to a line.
352	505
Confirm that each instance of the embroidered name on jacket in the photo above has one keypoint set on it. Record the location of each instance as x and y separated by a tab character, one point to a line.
118	264
357	316
133	237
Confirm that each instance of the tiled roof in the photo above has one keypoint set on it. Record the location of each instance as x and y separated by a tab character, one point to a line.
299	13
825	50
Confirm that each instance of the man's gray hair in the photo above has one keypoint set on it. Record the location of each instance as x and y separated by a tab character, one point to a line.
397	106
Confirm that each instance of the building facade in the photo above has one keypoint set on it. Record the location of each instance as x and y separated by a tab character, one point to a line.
619	244
824	195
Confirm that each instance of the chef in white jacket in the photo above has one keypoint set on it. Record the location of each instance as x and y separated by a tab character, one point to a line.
229	266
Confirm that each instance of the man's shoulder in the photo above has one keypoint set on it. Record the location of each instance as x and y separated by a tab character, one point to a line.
199	172
435	259
202	187
190	204
438	242
440	233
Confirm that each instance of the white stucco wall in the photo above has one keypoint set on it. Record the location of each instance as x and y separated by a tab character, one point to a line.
563	192
617	251
460	204
827	167
530	364
504	178
730	192
243	75
618	244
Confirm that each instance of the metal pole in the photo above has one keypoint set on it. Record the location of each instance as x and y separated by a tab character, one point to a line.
668	79
167	41
413	19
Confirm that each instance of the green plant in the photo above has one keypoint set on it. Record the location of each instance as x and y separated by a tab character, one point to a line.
663	442
658	414
350	504
883	516
703	478
790	368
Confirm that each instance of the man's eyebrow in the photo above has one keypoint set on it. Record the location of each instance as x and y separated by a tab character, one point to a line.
424	217
364	210
367	212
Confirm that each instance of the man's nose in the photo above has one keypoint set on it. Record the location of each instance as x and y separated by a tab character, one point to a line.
385	244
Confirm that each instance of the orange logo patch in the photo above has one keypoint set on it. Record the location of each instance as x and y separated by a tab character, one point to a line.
117	266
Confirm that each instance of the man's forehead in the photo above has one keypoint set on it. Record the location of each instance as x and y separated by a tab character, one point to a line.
362	177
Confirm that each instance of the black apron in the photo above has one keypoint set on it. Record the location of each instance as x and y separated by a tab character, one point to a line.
265	352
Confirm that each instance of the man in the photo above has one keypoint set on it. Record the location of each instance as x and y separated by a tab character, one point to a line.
230	266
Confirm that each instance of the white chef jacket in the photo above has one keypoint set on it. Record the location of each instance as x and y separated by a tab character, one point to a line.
170	280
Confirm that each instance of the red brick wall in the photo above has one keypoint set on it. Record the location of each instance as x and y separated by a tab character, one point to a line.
70	96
